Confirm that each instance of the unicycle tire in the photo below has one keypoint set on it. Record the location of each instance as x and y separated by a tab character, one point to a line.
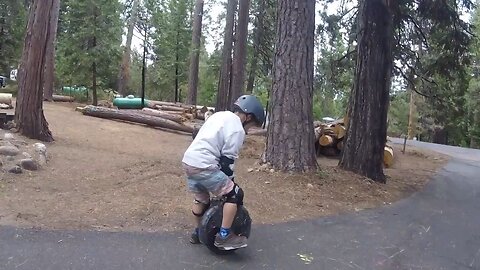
212	221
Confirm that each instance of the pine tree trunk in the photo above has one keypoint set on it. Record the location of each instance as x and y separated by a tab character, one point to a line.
412	127
94	64
195	54
290	136
224	83
258	35
124	75
367	126
177	48
29	115
240	52
94	84
50	65
475	134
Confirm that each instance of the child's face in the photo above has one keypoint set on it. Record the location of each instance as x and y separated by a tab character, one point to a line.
250	123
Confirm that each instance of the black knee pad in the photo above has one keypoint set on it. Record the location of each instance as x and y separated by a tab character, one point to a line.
235	195
204	209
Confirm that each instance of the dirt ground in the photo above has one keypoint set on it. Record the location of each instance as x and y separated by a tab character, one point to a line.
114	176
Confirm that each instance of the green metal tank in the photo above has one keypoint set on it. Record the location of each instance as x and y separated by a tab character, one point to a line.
129	103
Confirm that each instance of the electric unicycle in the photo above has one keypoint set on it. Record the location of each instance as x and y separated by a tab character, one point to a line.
212	221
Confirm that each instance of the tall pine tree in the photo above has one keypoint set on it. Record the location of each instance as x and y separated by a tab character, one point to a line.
89	44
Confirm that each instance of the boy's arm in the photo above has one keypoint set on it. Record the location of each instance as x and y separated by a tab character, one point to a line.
230	151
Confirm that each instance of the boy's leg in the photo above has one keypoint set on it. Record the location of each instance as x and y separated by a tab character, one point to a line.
226	239
199	208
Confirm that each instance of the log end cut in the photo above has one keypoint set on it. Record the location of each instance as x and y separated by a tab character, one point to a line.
388	156
326	140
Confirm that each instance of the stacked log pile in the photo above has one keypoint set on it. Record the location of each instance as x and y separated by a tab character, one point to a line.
188	111
135	117
329	140
329	137
167	115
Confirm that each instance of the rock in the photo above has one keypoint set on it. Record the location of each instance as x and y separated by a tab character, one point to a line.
9	125
250	170
272	170
41	153
309	185
14	130
40	148
8	136
26	155
41	159
10	158
9	150
15	170
29	164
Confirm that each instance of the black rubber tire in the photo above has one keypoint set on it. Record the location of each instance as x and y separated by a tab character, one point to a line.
212	221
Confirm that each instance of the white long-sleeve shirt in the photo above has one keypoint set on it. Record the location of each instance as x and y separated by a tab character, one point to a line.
221	135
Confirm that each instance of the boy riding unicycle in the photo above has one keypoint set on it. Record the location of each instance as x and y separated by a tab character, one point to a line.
208	163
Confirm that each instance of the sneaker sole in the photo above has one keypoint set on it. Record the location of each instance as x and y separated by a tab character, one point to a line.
231	248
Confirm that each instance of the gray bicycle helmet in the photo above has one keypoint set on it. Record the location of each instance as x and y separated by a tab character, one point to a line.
251	105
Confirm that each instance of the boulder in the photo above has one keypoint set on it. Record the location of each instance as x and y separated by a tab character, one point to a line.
9	150
29	164
8	136
15	170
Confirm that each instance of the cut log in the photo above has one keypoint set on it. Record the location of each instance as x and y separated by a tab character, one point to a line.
6	99
326	130
202	109
165	103
135	117
339	131
59	98
79	109
317	124
326	140
388	156
173	108
173	117
318	133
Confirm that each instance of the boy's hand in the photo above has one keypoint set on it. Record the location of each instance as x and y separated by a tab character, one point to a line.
226	166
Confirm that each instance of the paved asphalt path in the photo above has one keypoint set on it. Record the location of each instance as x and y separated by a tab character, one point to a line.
437	228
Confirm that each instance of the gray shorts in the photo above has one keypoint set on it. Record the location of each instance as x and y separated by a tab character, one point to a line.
202	182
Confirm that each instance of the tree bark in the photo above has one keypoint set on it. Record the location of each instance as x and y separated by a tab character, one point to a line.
124	75
412	127
135	117
290	135
475	136
94	83
29	115
258	36
367	126
224	83
94	64
177	48
50	54
195	54
240	52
